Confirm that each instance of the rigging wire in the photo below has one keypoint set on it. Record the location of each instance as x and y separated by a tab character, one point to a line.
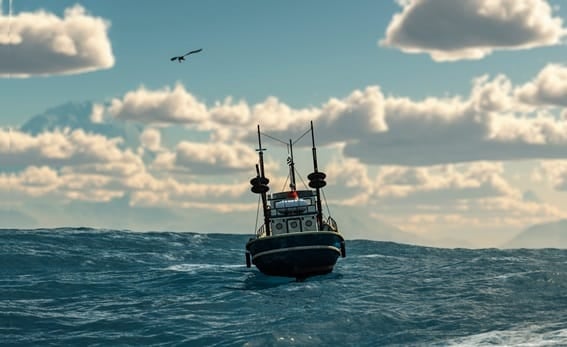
284	142
285	183
274	138
305	133
301	178
257	214
326	205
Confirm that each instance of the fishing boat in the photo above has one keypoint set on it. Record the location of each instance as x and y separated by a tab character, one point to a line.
295	239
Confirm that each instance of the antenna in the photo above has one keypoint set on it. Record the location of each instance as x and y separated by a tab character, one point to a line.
291	164
260	183
316	179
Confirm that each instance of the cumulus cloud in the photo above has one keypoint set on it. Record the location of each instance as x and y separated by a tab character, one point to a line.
439	200
166	106
478	217
434	185
340	119
548	88
445	183
451	30
451	201
169	192
554	172
57	148
74	165
150	138
97	114
208	158
488	125
494	122
350	180
42	44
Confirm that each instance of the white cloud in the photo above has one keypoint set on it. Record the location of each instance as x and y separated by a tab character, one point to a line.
166	106
444	184
554	172
73	165
361	113
216	197
548	88
340	118
57	148
350	181
471	201
150	138
42	44
491	123
209	158
489	214
97	115
230	113
451	30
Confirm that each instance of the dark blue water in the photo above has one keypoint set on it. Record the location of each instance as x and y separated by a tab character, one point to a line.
81	287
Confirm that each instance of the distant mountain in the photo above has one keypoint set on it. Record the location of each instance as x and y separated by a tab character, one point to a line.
115	214
354	224
547	235
77	115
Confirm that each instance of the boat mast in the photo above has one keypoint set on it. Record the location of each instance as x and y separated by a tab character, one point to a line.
291	168
260	185
316	180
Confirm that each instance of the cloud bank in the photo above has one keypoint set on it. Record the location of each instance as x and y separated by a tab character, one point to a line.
497	121
74	165
430	164
42	44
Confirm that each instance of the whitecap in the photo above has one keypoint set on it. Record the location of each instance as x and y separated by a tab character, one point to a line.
195	268
532	336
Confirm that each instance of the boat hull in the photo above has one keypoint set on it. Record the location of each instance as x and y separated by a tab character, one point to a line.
297	255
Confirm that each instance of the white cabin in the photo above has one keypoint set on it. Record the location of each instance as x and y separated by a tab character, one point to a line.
293	215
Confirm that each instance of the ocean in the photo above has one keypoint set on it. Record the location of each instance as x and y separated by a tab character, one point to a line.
92	287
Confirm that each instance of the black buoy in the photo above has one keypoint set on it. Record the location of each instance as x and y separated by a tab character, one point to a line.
260	188
316	176
317	180
259	180
259	184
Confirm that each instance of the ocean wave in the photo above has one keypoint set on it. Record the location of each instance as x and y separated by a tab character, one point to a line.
85	286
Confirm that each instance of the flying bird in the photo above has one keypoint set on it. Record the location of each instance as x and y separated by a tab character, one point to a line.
182	57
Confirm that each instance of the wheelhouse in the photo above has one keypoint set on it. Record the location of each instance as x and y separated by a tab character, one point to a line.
291	213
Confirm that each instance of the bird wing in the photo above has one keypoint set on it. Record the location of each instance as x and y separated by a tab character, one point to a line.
172	59
195	51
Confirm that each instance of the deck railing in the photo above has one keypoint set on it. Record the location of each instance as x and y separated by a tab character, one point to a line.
261	231
332	224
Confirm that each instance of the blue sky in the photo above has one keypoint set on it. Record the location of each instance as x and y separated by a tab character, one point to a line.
441	118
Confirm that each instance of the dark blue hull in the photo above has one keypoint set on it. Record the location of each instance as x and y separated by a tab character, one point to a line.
297	255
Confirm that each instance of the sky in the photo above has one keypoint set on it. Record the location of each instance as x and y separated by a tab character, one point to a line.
439	118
